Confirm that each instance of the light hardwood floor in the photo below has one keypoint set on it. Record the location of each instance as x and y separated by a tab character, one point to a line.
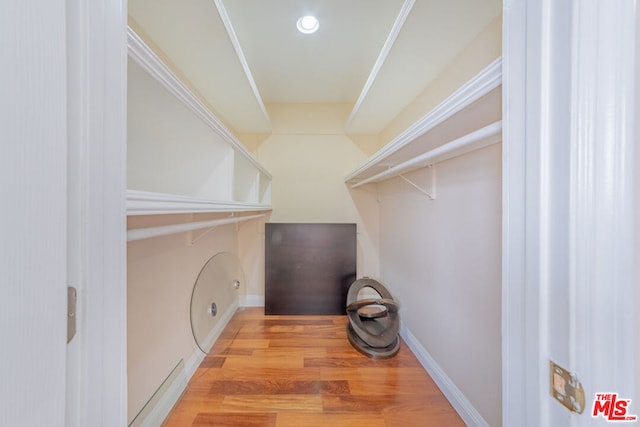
301	371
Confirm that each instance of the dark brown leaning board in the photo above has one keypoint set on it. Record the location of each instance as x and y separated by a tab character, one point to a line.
308	267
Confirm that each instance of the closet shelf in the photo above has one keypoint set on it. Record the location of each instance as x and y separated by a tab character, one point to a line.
181	157
469	119
475	140
148	203
152	64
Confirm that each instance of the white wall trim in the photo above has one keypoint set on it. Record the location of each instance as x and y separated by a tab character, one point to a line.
519	319
149	61
252	301
601	200
97	358
162	403
382	57
166	402
458	400
474	89
222	11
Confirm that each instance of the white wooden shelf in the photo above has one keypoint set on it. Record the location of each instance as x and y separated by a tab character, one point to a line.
181	157
469	119
475	140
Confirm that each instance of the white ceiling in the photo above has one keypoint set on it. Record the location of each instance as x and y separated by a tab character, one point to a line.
373	55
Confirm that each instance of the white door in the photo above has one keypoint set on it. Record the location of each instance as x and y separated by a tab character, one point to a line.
569	81
33	221
62	218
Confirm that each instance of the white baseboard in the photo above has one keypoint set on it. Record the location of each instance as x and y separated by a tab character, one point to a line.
458	400
162	401
169	393
252	301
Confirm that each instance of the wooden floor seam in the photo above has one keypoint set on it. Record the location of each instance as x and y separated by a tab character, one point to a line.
277	371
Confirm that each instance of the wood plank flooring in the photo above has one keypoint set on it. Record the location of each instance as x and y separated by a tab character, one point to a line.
276	371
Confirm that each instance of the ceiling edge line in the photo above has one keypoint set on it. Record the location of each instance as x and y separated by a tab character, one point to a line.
224	16
382	57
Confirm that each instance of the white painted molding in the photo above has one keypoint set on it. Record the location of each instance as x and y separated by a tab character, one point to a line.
222	11
481	84
382	57
97	141
165	401
194	361
520	405
149	203
601	193
458	400
149	61
488	135
252	301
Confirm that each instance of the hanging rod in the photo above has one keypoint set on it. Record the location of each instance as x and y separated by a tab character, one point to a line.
475	140
164	230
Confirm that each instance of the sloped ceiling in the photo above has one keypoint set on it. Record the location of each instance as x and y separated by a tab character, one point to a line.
373	55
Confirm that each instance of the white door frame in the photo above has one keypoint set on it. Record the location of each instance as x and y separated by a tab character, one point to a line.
96	61
601	145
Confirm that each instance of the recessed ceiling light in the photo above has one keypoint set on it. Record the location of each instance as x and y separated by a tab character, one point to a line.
308	24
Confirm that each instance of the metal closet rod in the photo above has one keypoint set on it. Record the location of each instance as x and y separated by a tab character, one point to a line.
164	230
469	142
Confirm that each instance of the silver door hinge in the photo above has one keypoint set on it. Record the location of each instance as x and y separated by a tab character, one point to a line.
72	297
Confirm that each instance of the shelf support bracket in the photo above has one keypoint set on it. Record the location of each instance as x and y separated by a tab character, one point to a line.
431	192
201	235
208	230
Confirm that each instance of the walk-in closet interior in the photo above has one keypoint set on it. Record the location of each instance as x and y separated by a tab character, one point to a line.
388	117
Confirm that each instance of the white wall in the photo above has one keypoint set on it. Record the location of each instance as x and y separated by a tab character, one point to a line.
308	156
442	260
251	253
161	274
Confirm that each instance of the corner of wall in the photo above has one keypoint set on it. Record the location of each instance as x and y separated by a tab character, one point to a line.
252	141
369	144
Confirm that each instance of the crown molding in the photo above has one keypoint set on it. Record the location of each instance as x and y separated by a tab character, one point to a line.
480	85
382	57
222	11
152	64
